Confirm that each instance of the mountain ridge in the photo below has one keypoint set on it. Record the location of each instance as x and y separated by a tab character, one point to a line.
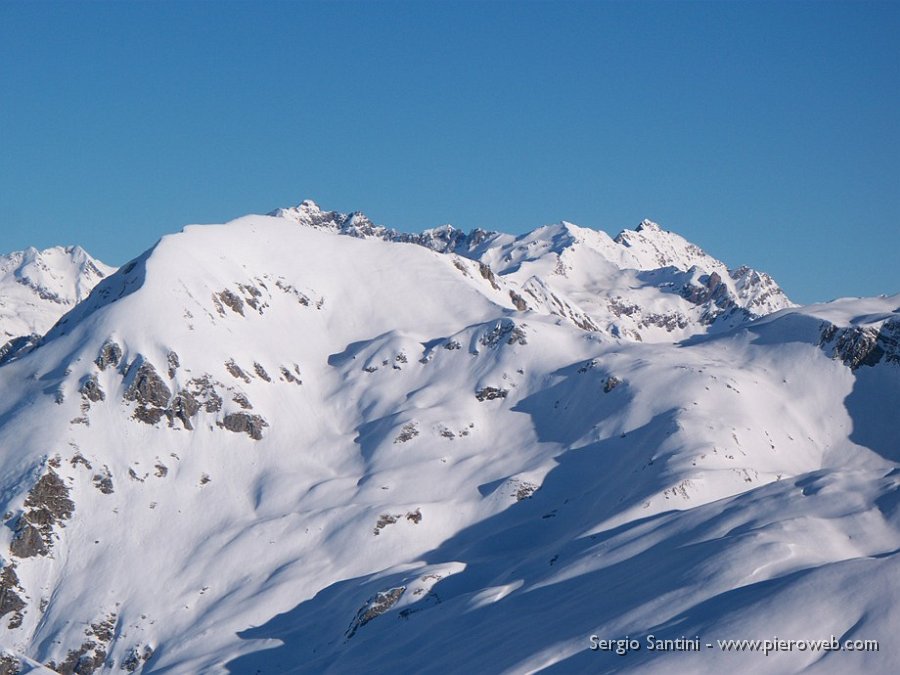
716	295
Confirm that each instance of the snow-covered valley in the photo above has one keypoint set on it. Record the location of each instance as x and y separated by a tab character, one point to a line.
302	442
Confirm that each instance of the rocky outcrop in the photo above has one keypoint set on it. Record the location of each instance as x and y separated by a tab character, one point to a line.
136	658
242	400
236	371
174	363
242	422
91	655
385	519
377	605
10	664
858	346
261	372
18	346
288	376
518	301
488	274
46	506
155	401
110	355
644	319
90	389
103	481
233	301
506	331
407	433
184	406
10	587
148	390
147	387
27	541
203	390
490	393
709	288
749	295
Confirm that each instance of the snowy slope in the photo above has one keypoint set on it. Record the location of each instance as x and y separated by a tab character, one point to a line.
264	447
38	287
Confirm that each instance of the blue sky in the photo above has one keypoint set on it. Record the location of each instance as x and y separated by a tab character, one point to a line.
767	133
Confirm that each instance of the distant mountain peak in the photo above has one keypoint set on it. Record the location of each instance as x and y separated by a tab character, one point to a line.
38	286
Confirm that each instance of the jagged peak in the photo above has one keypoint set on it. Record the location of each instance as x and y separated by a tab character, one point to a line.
310	213
443	238
643	230
647	225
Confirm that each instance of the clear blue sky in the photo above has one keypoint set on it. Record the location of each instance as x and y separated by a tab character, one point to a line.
767	133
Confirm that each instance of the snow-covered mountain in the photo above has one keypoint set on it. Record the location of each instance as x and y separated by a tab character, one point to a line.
265	447
38	287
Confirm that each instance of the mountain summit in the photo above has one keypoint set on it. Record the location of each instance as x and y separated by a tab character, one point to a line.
303	442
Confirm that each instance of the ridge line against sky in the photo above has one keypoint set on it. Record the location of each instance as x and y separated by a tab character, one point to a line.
766	133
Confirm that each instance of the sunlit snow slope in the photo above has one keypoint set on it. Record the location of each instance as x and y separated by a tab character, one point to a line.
269	447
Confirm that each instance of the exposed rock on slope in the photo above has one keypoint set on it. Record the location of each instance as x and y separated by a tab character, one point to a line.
864	344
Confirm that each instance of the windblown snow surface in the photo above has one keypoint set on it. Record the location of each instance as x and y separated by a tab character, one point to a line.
302	443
